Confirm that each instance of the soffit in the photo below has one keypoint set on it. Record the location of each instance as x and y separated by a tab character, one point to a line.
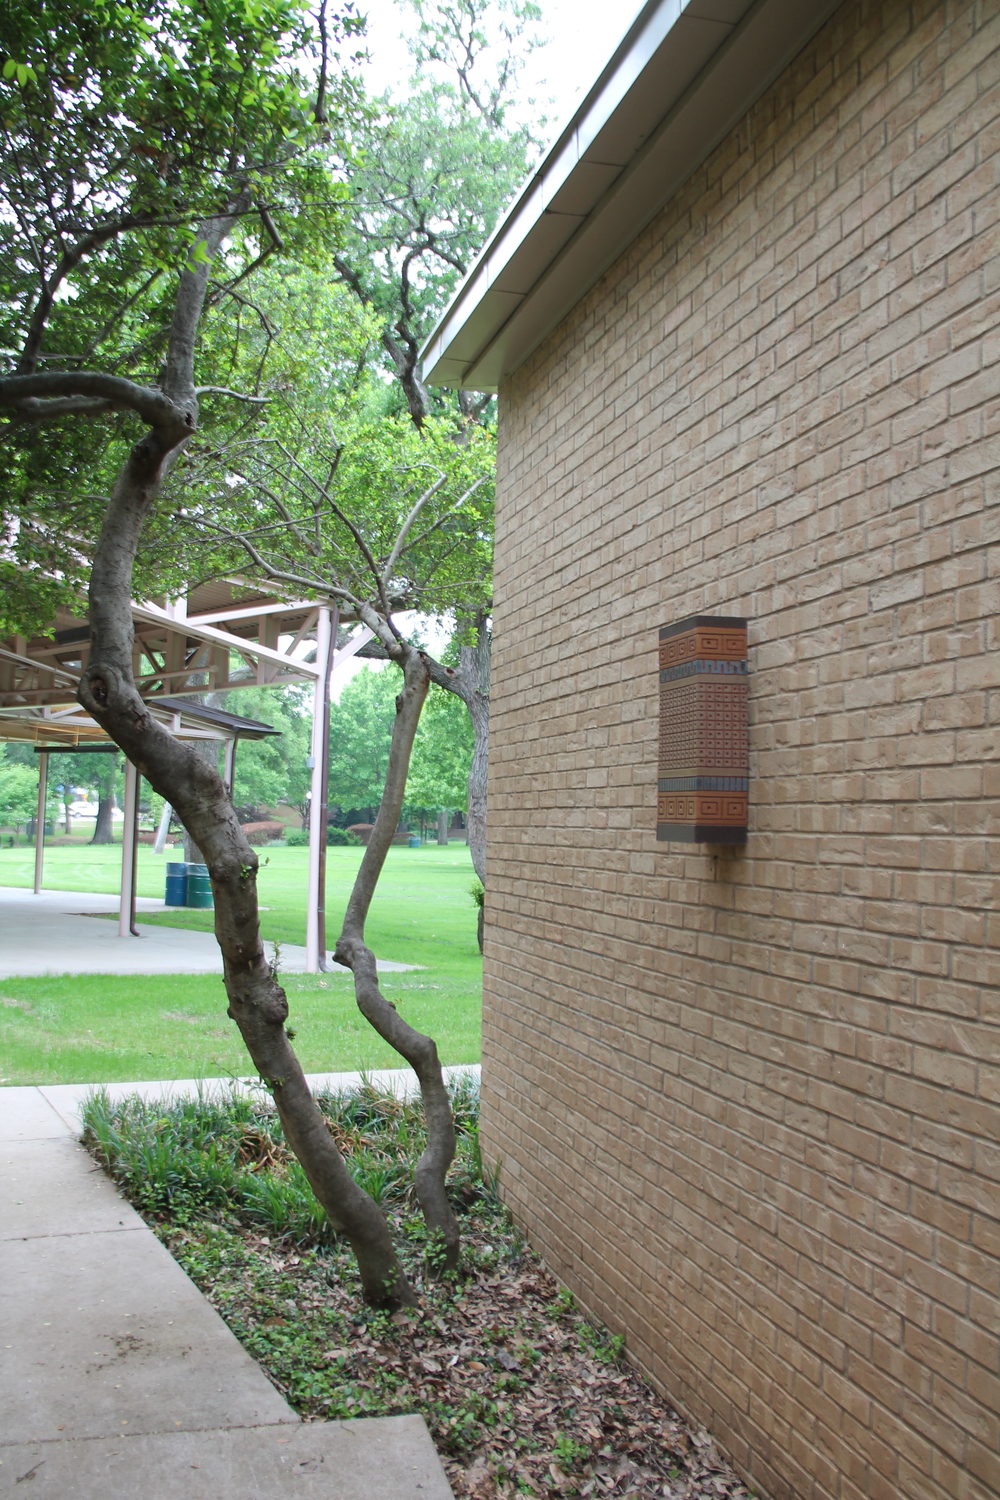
683	76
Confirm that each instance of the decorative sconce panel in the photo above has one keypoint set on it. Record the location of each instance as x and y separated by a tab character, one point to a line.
704	743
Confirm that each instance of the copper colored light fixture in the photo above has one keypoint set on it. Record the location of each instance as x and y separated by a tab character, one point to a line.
704	749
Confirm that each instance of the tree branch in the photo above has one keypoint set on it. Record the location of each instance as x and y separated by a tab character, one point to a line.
419	1051
407	524
34	410
223	390
70	257
449	513
118	394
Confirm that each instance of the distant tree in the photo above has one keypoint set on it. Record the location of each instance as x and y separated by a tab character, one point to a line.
435	171
361	724
101	773
93	773
442	754
18	790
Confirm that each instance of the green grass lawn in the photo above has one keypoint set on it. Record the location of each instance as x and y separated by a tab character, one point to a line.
105	1029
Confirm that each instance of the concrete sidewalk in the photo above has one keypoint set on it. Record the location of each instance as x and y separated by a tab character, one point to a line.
56	933
119	1380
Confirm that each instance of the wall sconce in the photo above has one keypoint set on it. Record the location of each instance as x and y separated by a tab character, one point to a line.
704	767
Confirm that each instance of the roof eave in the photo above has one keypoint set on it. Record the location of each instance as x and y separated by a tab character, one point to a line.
684	75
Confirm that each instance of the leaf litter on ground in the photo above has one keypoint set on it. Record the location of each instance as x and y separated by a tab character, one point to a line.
523	1394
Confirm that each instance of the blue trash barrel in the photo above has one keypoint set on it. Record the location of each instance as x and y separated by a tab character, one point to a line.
199	887
176	893
414	841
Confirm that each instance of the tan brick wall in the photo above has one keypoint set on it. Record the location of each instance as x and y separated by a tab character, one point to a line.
749	1107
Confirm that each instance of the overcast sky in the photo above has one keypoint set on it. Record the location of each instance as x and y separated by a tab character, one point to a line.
583	34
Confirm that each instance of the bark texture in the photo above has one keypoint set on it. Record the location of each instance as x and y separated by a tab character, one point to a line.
419	1051
208	751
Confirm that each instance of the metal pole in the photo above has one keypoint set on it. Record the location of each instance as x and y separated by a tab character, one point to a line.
160	842
43	784
229	771
324	788
315	921
134	883
125	907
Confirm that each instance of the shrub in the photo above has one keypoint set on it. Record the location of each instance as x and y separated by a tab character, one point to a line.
283	1204
263	833
339	836
298	838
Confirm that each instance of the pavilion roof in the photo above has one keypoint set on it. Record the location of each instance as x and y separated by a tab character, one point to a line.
226	634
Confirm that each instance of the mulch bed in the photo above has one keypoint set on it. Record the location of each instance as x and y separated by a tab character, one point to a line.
521	1393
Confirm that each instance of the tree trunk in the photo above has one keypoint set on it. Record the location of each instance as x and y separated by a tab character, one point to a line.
208	751
102	826
479	711
418	1050
443	815
107	691
470	681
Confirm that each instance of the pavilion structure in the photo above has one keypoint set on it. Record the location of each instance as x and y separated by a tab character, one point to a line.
221	636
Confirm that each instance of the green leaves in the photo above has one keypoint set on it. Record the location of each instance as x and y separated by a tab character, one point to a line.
360	734
198	255
21	72
124	125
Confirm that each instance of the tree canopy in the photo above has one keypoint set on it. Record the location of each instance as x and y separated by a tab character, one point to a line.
434	171
18	790
124	128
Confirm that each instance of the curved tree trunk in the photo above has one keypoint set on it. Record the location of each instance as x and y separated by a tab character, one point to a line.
470	681
208	751
195	790
419	1051
478	704
257	1003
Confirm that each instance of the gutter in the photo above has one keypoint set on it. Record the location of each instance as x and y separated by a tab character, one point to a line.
685	74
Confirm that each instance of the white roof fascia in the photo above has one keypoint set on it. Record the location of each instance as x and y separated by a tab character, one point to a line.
686	72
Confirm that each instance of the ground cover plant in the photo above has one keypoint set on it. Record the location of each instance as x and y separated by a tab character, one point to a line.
113	1028
522	1393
